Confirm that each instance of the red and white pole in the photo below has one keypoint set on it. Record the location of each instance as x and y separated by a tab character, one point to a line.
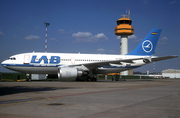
46	24
46	40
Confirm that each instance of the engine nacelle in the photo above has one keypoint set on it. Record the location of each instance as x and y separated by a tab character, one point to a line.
68	72
147	60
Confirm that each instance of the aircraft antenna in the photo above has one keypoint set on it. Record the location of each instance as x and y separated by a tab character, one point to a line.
46	24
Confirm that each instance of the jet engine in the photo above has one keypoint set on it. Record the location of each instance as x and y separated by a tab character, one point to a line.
147	60
68	72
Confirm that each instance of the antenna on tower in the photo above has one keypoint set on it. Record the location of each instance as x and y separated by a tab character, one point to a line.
46	24
126	13
129	12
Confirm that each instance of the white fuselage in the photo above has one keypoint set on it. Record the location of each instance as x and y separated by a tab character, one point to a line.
47	63
69	65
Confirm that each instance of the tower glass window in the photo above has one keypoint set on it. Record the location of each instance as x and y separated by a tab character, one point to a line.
124	22
120	22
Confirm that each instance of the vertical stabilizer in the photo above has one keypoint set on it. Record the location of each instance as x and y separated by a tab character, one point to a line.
148	45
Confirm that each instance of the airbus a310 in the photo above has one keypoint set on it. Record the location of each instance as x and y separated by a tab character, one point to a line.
87	66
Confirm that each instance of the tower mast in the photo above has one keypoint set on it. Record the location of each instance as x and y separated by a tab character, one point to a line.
46	24
124	29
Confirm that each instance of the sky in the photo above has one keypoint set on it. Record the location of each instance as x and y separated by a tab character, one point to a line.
87	26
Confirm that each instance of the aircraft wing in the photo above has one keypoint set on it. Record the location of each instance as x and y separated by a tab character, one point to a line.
163	58
105	63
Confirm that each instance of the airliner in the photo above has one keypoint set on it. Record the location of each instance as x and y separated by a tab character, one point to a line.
76	65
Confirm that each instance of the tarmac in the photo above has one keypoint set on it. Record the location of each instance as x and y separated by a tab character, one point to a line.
159	98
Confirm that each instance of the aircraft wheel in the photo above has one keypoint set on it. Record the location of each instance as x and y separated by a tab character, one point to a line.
94	79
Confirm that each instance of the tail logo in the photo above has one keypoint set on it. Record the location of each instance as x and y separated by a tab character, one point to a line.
147	46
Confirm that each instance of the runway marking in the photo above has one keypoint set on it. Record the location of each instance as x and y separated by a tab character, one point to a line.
6	102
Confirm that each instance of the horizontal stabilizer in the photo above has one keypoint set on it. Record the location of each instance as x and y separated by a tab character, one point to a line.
163	58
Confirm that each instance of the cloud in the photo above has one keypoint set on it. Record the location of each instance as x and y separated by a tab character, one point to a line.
32	37
101	37
163	41
14	36
1	34
111	50
118	37
100	50
61	31
137	40
129	37
88	37
144	1
37	27
82	35
53	39
132	37
173	2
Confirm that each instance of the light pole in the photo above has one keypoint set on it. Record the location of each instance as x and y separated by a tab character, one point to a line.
46	24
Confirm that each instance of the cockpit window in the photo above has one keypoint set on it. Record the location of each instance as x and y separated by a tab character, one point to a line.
11	58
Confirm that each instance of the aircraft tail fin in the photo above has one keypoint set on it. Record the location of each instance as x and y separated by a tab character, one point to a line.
148	45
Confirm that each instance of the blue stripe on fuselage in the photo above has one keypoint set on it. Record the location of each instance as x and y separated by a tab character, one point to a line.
31	65
47	65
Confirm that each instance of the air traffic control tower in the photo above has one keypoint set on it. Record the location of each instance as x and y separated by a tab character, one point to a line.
124	29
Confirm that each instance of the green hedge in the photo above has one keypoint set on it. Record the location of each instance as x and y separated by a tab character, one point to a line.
16	76
124	77
12	76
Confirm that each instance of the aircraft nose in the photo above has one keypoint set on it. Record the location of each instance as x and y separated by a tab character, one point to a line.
3	63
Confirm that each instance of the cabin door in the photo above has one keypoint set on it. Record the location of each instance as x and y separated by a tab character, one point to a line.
26	59
72	61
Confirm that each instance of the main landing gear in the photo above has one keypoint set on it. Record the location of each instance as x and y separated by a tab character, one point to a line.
86	78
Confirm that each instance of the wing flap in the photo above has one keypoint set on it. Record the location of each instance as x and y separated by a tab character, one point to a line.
106	63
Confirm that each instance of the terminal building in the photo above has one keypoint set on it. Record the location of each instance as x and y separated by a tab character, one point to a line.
171	73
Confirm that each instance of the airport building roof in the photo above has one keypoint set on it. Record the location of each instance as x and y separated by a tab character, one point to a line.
171	71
